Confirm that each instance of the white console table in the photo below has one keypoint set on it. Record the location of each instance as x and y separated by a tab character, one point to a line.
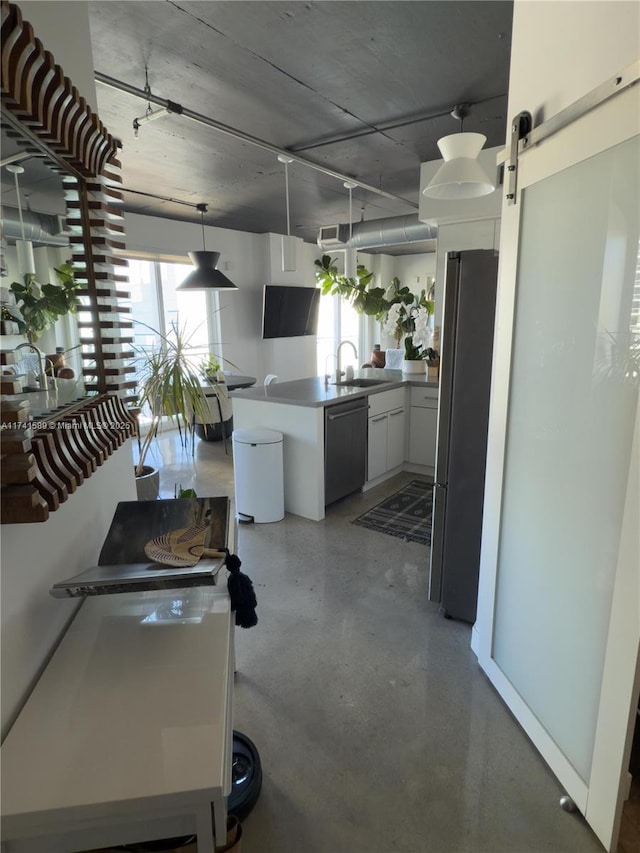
127	735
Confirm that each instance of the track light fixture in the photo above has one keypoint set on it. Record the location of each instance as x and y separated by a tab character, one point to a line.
288	242
350	255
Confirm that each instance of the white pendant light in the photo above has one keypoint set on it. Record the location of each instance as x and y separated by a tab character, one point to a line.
460	176
288	242
24	248
350	255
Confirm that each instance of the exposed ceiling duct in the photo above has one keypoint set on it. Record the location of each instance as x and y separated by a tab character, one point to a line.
43	228
378	233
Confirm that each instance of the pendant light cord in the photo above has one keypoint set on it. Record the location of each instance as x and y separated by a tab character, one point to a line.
203	209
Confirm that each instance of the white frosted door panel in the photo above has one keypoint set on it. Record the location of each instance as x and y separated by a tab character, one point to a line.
572	402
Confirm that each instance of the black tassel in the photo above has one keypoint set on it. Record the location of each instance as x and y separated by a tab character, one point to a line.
241	593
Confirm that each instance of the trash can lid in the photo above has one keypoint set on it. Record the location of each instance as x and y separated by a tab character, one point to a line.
257	436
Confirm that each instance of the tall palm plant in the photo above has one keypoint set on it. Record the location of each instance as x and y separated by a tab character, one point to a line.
170	387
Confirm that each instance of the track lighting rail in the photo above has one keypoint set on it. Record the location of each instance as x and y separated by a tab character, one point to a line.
171	106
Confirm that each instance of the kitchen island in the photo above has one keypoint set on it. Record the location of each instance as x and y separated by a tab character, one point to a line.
297	410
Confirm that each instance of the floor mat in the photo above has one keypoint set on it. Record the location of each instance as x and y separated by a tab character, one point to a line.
406	514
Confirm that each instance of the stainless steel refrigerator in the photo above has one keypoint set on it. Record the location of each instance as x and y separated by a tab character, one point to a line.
463	417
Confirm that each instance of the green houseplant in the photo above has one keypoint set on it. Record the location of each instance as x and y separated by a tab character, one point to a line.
365	299
404	314
40	305
169	387
407	321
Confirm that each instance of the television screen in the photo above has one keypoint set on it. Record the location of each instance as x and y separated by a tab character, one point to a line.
289	312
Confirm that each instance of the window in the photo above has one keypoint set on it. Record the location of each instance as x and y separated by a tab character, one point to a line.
337	321
156	303
156	306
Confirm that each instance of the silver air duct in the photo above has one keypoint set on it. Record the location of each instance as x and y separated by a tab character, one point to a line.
377	233
42	228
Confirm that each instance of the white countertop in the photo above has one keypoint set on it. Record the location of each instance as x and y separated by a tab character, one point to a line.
314	393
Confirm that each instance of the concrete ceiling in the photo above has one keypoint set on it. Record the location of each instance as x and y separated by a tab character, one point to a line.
362	88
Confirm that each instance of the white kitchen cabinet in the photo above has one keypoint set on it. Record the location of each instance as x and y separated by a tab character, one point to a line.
423	423
377	446
395	438
386	433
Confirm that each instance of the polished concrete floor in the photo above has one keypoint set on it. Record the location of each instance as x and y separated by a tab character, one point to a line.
377	729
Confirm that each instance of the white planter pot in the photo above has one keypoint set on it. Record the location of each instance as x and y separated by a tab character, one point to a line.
413	366
148	484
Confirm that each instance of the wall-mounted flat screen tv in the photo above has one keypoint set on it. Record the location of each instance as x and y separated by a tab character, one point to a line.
289	312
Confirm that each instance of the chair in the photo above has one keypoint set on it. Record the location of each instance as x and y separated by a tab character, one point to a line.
269	378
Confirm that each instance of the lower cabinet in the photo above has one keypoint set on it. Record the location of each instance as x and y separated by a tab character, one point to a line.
377	446
422	426
395	438
386	433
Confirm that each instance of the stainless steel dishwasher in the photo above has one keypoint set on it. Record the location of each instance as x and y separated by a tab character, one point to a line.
345	448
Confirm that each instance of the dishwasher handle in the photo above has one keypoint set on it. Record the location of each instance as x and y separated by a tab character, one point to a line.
331	417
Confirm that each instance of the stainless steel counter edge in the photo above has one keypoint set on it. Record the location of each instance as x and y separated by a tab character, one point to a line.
313	393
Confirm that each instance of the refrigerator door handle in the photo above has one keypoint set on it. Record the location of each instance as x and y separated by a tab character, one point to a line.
437	541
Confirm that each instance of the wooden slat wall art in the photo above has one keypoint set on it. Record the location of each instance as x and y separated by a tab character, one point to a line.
93	208
42	466
46	460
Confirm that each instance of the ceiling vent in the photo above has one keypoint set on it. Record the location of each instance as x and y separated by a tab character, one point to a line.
333	236
377	233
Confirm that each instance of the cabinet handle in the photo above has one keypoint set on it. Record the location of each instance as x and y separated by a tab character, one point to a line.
397	412
379	418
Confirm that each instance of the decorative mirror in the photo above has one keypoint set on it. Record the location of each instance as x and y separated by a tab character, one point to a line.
49	131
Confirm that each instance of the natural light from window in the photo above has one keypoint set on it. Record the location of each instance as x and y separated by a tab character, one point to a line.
337	321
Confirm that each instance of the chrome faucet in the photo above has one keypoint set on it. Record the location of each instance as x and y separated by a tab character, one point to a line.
339	371
42	371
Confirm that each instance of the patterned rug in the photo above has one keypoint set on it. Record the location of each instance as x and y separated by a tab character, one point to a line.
406	514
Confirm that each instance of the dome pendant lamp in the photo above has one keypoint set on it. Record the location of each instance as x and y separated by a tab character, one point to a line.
205	276
460	176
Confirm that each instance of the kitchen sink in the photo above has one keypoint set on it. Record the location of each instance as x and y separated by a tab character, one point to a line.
361	383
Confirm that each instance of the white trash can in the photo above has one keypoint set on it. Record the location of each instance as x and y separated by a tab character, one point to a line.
258	474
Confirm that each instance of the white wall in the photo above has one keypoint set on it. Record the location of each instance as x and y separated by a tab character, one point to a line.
561	50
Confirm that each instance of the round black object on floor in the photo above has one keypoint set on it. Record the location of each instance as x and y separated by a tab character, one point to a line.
246	782
246	776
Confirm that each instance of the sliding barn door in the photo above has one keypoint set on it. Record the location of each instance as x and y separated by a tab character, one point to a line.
558	621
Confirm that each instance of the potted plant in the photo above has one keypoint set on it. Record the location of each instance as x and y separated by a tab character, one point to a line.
407	321
41	305
209	367
405	315
365	299
169	387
